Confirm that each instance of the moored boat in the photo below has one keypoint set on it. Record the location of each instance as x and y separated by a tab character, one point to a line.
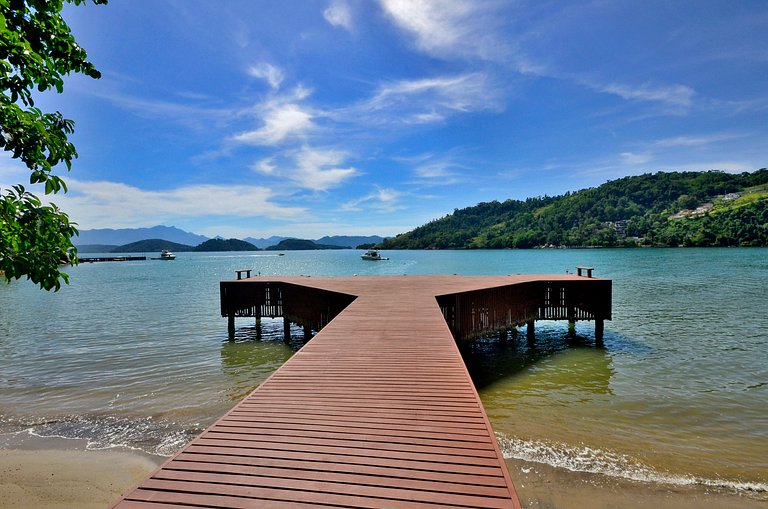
166	254
372	254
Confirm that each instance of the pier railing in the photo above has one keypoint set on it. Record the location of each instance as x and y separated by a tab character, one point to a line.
310	307
481	312
469	314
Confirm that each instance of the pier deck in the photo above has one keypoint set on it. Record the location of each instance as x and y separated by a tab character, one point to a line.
377	410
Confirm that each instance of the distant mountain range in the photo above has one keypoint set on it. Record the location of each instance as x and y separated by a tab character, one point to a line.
336	240
119	237
151	239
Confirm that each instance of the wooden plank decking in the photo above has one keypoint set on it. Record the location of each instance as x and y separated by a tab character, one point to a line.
377	410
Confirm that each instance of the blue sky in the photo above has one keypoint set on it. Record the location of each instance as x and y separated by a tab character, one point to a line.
314	117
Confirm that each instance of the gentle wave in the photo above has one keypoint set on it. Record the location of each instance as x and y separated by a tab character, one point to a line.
597	461
149	435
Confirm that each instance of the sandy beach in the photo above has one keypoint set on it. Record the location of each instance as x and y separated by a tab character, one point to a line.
58	479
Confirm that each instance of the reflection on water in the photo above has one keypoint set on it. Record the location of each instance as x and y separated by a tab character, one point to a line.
572	361
249	359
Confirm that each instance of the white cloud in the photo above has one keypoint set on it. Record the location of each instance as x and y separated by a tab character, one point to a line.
267	72
696	141
118	205
424	101
632	158
432	171
448	28
672	95
281	121
339	15
320	169
382	200
309	168
465	92
265	166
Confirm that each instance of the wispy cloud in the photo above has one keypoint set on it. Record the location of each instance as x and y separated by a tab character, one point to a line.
195	111
281	121
267	72
339	15
673	95
321	169
696	141
118	205
448	28
632	158
382	200
283	118
309	168
423	101
464	92
434	170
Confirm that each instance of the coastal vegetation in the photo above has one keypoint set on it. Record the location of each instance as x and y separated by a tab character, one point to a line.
217	244
661	209
37	49
225	245
144	246
301	245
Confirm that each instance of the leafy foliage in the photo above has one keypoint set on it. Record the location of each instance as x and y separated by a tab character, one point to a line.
37	49
34	239
623	212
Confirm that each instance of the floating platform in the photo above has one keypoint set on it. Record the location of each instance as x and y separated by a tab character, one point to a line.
111	259
378	409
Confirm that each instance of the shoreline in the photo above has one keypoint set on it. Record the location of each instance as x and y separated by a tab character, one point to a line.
38	474
540	486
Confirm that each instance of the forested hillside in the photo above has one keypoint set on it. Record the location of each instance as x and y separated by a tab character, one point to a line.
662	209
144	246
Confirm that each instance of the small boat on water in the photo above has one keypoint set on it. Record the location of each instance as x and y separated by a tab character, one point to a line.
372	254
166	255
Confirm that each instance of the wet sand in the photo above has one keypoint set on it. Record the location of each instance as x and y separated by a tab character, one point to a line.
541	486
58	479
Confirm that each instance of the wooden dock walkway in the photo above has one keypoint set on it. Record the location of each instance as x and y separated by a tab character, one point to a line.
81	259
377	410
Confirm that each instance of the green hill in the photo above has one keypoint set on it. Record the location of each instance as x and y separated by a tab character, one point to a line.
226	245
145	246
662	209
300	245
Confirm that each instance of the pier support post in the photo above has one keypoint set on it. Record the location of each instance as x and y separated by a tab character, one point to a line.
599	329
307	333
231	326
286	330
503	336
571	322
531	331
257	325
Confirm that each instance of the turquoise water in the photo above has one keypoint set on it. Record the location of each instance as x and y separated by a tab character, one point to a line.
134	354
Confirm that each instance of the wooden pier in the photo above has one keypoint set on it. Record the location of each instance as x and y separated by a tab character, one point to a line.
81	259
377	410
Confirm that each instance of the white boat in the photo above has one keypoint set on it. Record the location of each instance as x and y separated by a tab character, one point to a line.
372	254
166	255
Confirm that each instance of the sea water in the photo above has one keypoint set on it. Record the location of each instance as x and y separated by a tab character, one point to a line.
135	354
